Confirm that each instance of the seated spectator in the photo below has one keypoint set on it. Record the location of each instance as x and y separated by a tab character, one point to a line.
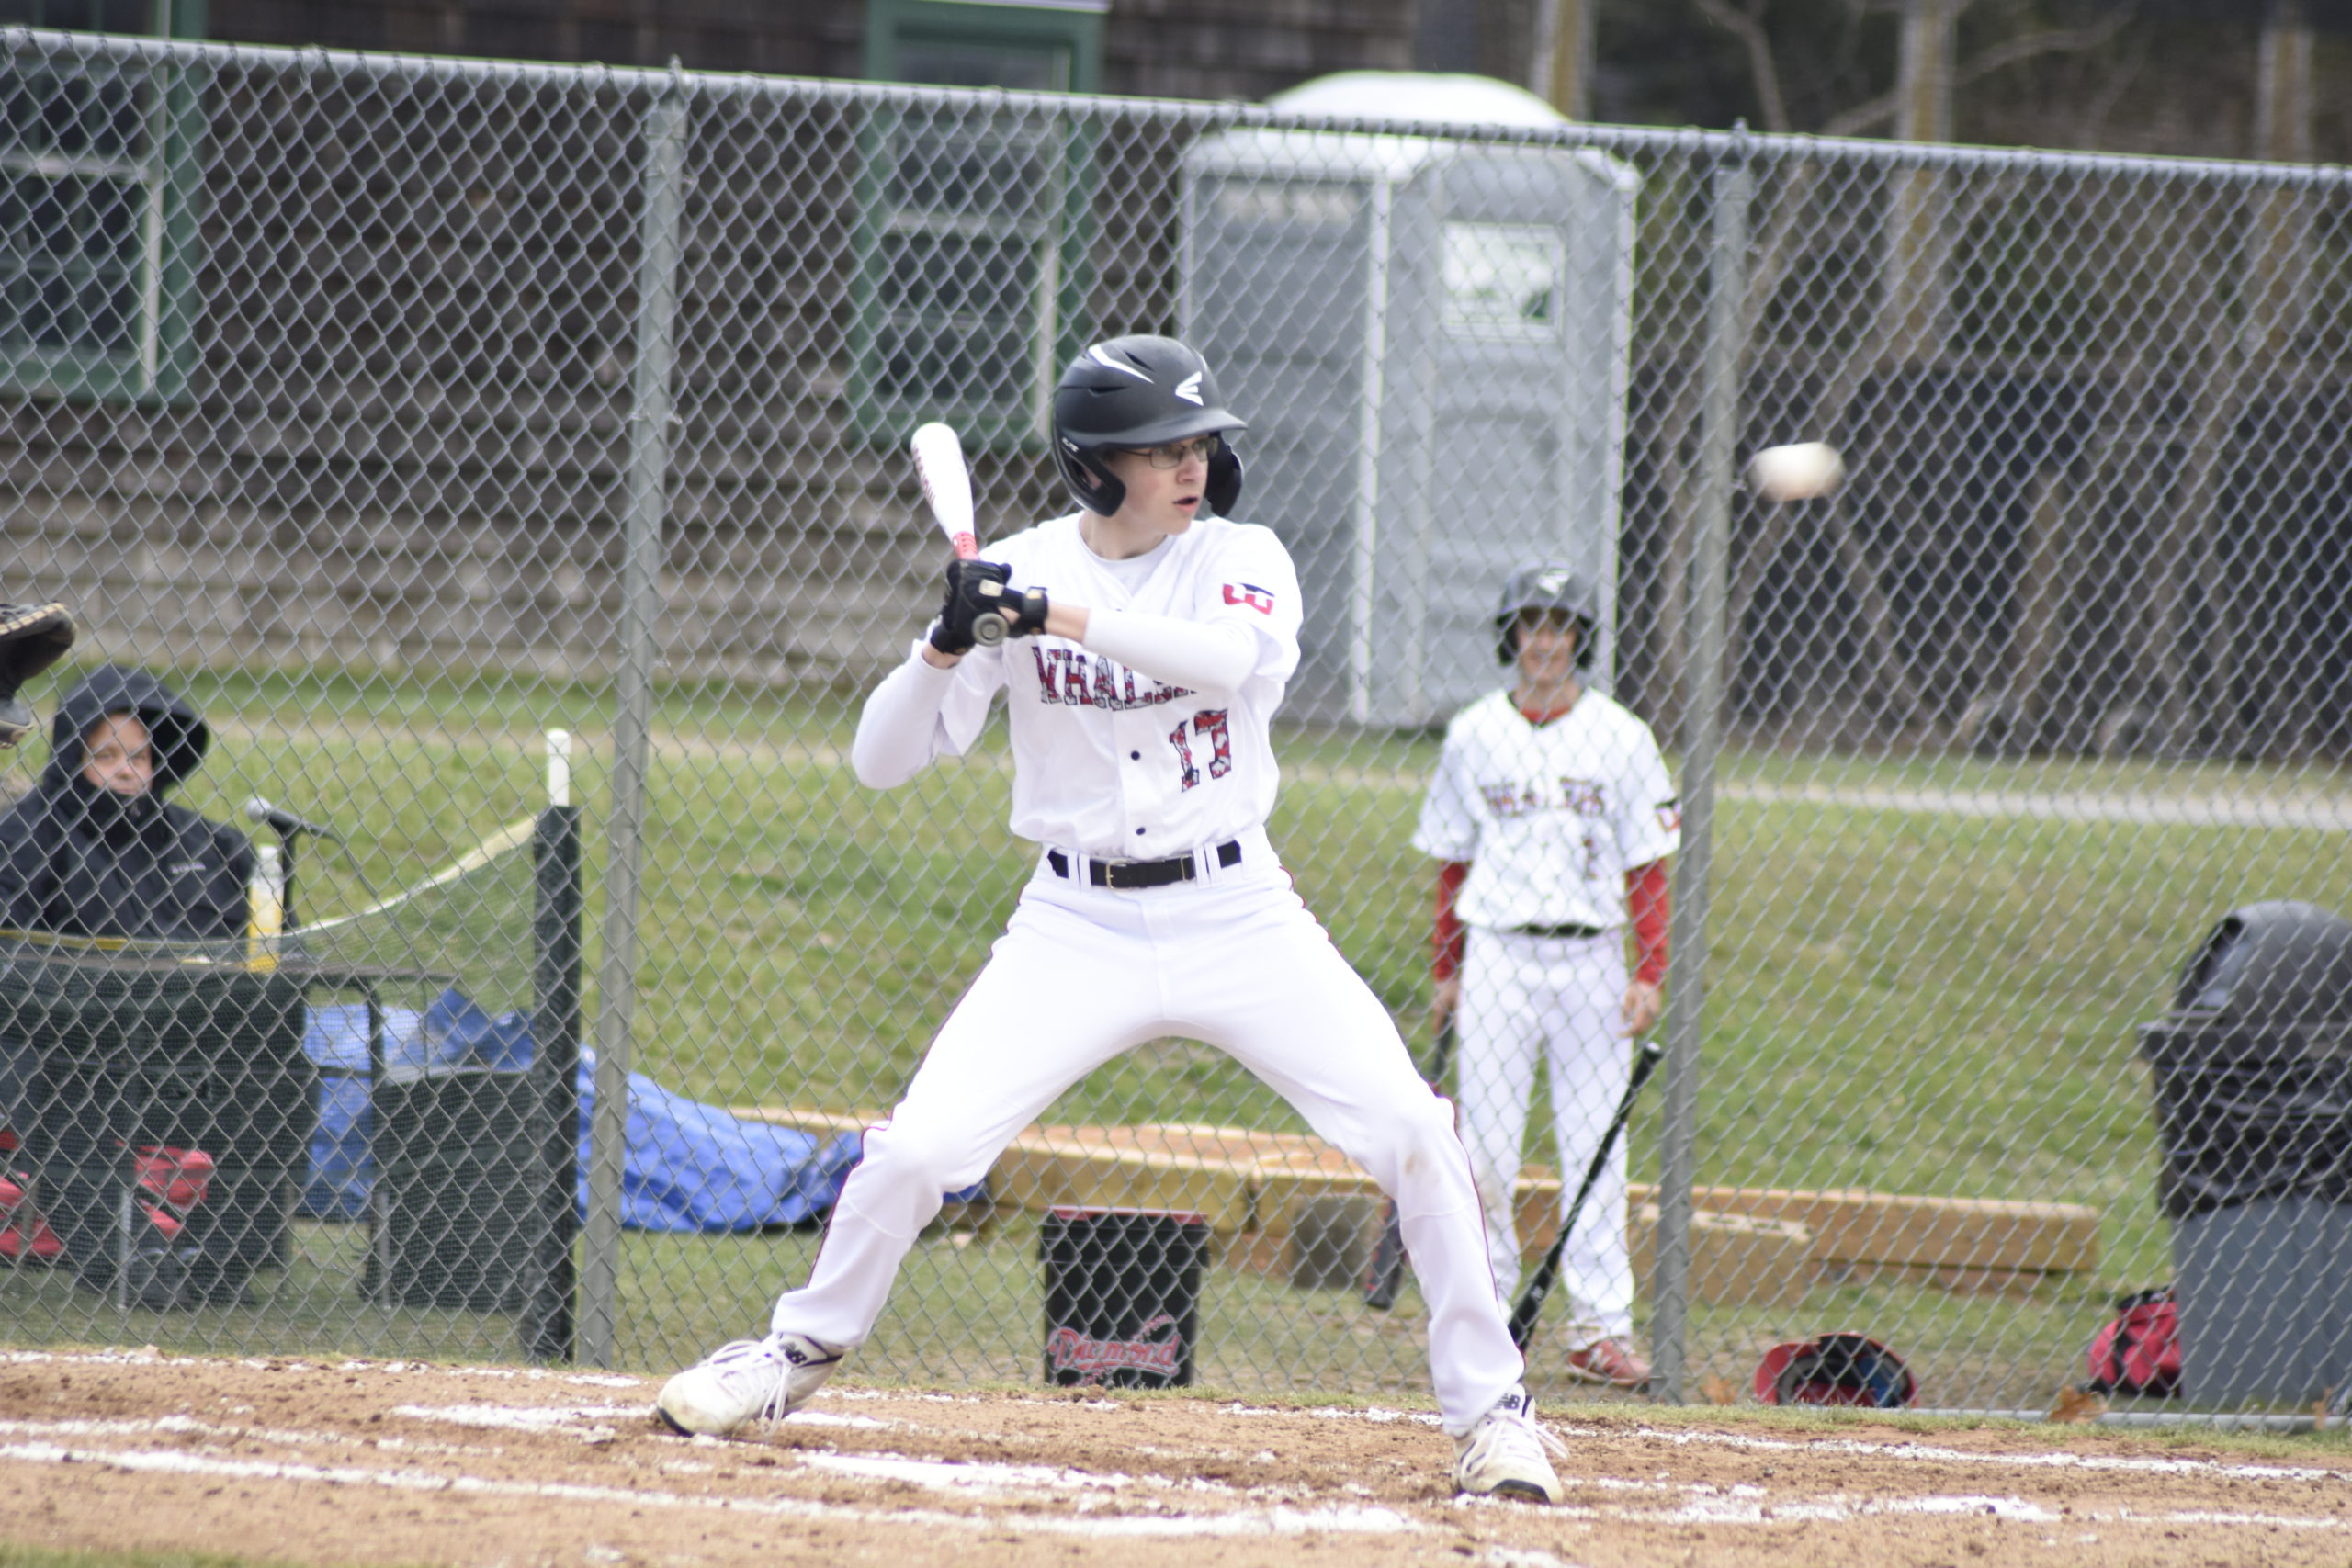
96	851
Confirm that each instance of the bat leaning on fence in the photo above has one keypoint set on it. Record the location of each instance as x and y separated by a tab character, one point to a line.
1539	1285
1385	1273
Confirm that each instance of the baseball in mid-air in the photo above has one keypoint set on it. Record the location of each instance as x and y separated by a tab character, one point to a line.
1801	472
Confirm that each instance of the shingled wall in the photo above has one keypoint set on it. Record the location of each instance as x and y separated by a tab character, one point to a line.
406	435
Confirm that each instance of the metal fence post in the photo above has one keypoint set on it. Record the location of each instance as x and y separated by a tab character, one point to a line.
1701	730
546	1322
649	458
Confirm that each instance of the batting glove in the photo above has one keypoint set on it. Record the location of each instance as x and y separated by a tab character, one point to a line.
1024	613
973	588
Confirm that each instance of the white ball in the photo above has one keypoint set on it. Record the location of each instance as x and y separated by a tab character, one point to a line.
1801	472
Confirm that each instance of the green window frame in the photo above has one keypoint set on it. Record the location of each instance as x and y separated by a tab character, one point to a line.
99	201
973	236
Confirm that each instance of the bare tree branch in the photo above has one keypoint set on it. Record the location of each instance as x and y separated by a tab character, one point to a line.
2119	78
1863	116
1748	27
1873	113
2052	41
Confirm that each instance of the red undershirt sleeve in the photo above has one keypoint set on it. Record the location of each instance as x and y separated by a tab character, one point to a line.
1649	899
1450	938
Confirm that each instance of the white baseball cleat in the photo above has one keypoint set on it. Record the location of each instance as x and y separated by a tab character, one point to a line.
750	1380
1502	1456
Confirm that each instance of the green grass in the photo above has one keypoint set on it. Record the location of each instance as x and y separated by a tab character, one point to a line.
12	1555
1909	1001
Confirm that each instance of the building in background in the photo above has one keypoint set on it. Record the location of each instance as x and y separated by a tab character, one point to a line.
1169	48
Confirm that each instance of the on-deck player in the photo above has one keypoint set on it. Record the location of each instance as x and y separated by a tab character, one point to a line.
1156	640
1554	818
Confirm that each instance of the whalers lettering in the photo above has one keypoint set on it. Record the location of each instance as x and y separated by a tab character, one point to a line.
1067	1350
1074	678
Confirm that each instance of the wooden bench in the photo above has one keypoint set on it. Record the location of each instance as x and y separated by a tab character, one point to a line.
1761	1246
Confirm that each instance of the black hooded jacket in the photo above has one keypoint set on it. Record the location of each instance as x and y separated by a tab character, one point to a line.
77	860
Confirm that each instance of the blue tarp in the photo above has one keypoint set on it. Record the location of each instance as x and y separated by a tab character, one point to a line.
688	1166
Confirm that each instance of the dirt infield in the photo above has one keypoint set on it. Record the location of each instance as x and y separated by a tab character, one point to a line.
334	1463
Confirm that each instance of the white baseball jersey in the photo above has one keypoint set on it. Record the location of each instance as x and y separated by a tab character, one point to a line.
1550	815
1113	763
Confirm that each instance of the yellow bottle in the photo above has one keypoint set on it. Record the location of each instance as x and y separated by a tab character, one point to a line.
265	910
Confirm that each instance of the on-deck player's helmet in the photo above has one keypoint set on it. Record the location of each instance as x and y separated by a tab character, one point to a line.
1133	392
1545	588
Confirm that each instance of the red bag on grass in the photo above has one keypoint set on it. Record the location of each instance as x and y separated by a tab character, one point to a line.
2138	1352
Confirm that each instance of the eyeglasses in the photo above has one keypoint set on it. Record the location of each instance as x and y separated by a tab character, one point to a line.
1172	455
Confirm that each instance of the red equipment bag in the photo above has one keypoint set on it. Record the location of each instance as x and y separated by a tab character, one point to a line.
24	1236
2138	1352
177	1180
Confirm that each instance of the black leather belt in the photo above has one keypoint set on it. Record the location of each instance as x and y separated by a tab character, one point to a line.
1126	875
1560	933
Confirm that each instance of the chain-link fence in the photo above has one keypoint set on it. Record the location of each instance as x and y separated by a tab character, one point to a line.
396	412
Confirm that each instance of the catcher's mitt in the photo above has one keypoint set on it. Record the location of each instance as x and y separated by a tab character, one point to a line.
32	638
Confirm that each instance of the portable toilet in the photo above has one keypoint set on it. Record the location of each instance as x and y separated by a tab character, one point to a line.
1428	336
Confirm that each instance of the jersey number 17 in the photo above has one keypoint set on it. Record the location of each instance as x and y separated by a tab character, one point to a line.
1210	726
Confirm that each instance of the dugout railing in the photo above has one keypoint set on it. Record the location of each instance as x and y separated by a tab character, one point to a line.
397	410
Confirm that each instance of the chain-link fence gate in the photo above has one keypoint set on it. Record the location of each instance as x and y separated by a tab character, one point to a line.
397	412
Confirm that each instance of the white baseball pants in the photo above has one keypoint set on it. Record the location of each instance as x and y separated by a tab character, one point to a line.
1083	973
1560	1001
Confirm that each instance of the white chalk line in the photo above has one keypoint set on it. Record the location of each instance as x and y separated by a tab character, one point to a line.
1039	1481
1276	1521
808	1418
1521	1557
1699	1506
1930	1453
189	1426
1739	1504
582	1421
1374	1414
1255	1522
980	1478
1922	1451
1838	1509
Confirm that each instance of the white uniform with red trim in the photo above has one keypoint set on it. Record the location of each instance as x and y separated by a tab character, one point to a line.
1113	764
1550	818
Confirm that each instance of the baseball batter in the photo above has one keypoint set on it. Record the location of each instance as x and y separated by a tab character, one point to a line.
1554	818
1152	640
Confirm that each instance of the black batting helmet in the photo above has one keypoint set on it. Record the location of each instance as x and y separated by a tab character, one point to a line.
1133	392
32	638
1545	588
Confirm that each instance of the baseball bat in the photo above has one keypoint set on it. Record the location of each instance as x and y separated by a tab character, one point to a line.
1386	1273
1530	1297
947	486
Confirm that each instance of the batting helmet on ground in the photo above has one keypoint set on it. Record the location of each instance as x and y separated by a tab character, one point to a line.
1835	1369
1131	392
1545	588
32	638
